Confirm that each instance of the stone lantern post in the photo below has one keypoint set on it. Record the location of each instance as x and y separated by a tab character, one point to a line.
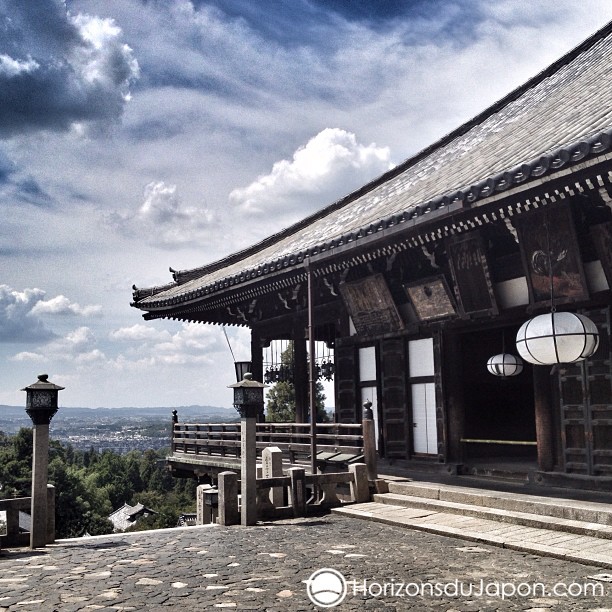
41	405
248	401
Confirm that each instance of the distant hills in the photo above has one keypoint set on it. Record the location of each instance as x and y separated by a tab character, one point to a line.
14	417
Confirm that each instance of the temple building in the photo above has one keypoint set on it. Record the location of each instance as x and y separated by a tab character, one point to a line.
420	277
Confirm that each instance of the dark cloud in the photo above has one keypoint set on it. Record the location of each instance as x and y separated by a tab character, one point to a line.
7	167
58	68
28	190
16	322
305	21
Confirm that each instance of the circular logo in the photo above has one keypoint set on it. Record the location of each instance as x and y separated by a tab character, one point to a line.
326	588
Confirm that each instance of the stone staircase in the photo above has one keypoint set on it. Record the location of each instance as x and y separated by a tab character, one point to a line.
551	526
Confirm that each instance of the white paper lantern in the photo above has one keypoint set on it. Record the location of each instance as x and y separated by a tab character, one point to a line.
505	364
557	337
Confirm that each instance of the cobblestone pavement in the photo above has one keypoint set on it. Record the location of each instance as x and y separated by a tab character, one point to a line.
266	567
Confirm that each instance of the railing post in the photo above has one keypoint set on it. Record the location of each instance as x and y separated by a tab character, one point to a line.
203	512
174	422
370	454
50	514
228	498
272	466
298	491
12	522
360	490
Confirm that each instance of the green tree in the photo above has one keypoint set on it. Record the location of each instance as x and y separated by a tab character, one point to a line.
280	407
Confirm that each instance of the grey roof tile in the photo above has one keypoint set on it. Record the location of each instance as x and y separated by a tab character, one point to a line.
568	104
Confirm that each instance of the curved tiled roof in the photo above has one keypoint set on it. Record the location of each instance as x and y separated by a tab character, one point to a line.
561	117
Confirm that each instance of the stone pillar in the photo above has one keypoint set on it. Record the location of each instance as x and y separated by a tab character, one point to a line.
41	405
40	464
360	489
203	512
272	466
50	514
228	498
298	491
248	471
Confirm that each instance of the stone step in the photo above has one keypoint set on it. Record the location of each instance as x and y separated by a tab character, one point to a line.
562	508
573	547
525	519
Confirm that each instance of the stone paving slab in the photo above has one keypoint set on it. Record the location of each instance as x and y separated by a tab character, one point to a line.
541	521
266	568
582	548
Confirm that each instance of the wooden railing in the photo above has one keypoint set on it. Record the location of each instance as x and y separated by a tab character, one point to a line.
336	443
15	536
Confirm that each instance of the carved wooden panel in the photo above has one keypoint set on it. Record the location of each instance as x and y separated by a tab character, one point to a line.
431	299
470	271
602	239
548	244
371	306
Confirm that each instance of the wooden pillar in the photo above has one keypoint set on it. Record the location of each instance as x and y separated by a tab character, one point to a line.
370	454
256	356
453	393
248	471
543	417
257	365
300	373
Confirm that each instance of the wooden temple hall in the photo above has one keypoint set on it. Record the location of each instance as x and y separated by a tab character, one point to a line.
423	279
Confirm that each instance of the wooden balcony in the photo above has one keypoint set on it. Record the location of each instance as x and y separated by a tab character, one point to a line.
207	449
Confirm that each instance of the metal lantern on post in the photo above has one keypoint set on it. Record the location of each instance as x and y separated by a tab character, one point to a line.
248	396
248	401
41	405
557	337
505	365
242	368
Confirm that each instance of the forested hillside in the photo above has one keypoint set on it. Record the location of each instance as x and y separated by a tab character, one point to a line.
90	485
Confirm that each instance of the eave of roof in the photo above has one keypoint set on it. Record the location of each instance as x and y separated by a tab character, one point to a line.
475	152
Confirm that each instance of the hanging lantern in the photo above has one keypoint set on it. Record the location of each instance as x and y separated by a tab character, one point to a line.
557	337
505	365
327	370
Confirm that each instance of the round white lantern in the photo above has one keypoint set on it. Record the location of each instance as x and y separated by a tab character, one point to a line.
557	337
505	364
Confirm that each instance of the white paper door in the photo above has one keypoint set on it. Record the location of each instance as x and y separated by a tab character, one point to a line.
424	429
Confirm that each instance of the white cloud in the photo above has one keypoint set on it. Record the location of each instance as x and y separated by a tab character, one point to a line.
61	305
21	312
27	356
12	67
77	346
139	333
327	167
162	221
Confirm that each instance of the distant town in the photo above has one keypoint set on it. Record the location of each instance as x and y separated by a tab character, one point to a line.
118	429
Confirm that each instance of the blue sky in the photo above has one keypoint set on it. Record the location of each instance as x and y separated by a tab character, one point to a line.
137	135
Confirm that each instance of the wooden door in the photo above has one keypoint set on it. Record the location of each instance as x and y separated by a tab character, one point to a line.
394	398
586	407
346	389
